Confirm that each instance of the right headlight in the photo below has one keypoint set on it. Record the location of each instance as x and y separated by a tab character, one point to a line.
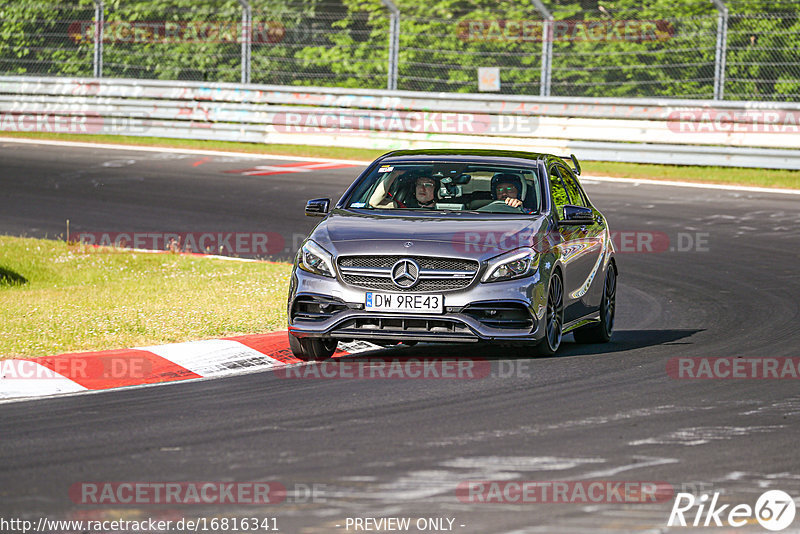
315	259
515	264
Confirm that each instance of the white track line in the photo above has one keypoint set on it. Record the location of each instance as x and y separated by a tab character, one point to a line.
724	187
198	255
244	155
173	150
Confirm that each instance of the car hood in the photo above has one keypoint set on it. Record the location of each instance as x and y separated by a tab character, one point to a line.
459	234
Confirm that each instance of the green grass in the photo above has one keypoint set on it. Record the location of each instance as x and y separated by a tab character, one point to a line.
713	175
717	175
56	298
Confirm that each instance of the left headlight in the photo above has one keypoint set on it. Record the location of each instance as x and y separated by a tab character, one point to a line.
315	259
515	264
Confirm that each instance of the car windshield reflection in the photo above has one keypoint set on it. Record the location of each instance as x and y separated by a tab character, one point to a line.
450	187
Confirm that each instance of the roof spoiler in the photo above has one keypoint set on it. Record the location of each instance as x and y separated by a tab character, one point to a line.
577	168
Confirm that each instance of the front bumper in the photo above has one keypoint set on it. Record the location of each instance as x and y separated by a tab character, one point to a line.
499	312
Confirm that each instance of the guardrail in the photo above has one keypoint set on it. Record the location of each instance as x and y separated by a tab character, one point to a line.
743	134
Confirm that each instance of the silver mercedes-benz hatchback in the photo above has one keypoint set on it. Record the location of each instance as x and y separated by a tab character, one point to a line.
455	246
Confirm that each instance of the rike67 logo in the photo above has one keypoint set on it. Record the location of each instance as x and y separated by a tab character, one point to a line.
774	510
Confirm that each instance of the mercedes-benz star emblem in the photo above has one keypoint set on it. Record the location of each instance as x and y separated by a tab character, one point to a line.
405	273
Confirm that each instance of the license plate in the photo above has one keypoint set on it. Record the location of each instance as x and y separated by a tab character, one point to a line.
398	302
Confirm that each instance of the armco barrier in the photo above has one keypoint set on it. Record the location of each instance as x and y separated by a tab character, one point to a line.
698	132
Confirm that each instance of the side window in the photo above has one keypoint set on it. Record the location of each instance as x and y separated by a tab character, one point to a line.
560	196
532	196
573	189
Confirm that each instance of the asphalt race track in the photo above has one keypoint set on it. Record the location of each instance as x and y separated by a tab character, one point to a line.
108	191
727	285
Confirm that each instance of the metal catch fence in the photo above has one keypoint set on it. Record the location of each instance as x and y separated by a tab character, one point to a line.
696	49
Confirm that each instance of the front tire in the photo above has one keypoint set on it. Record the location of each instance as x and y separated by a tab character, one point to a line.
601	332
312	349
554	317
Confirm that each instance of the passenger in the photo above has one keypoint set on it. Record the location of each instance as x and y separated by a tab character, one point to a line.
405	189
424	193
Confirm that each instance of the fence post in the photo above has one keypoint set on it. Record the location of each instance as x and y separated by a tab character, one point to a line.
394	43
722	49
99	23
247	39
547	47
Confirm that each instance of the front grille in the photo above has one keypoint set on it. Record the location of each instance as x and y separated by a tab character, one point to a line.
425	262
508	315
435	274
386	284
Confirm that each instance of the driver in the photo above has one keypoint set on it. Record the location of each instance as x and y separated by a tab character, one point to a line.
507	187
509	193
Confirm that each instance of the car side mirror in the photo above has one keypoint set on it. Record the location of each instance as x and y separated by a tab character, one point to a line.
576	216
318	207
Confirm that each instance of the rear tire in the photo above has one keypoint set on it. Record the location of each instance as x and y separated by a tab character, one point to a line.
601	332
312	349
554	317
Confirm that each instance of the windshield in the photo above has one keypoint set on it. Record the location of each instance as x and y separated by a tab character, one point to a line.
450	187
